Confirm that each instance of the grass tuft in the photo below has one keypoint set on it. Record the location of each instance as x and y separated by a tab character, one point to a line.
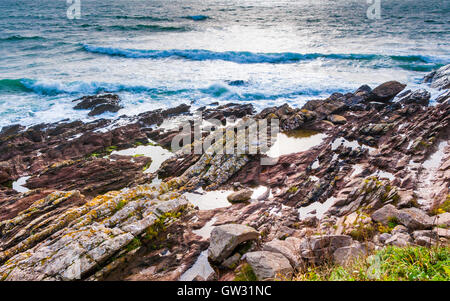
388	264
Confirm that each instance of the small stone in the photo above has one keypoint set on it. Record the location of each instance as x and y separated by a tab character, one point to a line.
399	229
231	261
240	196
337	119
384	237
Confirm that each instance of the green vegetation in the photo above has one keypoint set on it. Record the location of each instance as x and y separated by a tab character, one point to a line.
134	244
444	207
293	189
95	155
245	273
120	204
363	232
392	222
388	264
147	166
110	149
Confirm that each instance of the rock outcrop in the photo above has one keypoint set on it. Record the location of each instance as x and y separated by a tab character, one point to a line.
269	265
377	176
98	104
225	239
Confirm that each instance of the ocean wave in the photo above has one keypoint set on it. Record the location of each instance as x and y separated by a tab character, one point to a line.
245	57
147	27
147	18
196	17
227	93
78	87
21	38
218	90
13	86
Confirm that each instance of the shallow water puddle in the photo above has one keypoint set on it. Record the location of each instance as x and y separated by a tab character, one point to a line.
357	169
207	200
205	231
18	185
260	192
351	144
383	175
294	142
200	268
156	152
316	209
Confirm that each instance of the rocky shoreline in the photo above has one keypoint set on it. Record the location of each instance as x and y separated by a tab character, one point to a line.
376	173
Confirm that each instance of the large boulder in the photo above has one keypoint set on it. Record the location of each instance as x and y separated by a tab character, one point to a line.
443	232
386	91
326	241
346	255
442	219
288	247
225	238
269	265
425	237
384	214
420	96
445	96
439	79
415	219
399	240
99	104
316	249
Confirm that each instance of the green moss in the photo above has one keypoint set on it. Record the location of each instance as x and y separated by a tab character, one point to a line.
134	244
8	184
244	248
147	166
160	225
392	222
120	204
293	189
110	149
363	232
245	273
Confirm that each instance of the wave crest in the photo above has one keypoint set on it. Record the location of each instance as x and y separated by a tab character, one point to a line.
245	57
